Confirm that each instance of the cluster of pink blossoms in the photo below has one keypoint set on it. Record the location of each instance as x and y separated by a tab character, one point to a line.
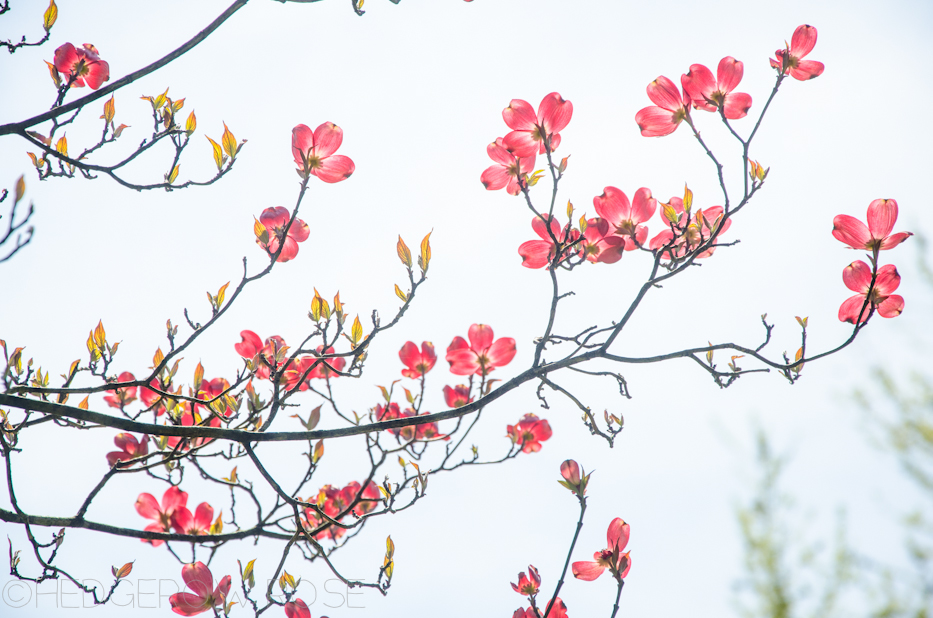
80	66
313	152
701	91
273	354
335	502
873	286
173	514
532	134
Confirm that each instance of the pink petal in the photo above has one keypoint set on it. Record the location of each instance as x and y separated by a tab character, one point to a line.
250	344
882	214
173	498
535	253
729	74
98	72
613	206
699	85
664	93
628	566
894	240
495	177
803	41
335	168
147	506
289	251
519	115
187	604
297	609
522	143
891	307
554	114
327	139
851	231
617	534
458	343
887	280
65	58
502	352
541	430
302	142
736	105
587	571
203	516
182	520
124	440
198	578
299	231
154	528
850	308
222	589
481	337
857	276
463	362
276	217
656	122
807	69
537	224
643	206
499	151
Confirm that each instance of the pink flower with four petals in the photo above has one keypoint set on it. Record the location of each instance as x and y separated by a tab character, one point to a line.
529	432
276	219
711	94
626	218
314	153
669	109
857	277
417	363
83	63
790	59
203	595
149	507
481	356
610	558
530	130
130	448
876	236
508	171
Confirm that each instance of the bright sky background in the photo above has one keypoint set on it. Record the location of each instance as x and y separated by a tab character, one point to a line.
418	89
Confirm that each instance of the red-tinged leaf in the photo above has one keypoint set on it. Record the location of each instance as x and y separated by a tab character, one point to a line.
219	157
583	223
314	419
50	16
232	479
55	75
73	369
198	377
385	394
318	452
425	252
229	142
802	321
20	189
62	146
400	293
157	358
100	335
35	160
123	571
119	130
262	234
160	100
390	548
408	396
220	294
569	209
356	332
83	404
688	199
109	111
173	175
177	105
404	253
218	526
563	165
191	124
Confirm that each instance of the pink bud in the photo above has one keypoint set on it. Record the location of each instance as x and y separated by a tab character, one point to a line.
570	470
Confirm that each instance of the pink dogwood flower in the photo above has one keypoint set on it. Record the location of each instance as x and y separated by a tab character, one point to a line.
120	397
417	363
876	236
458	396
532	132
148	507
711	94
297	609
148	396
275	219
600	244
529	432
183	522
314	153
626	218
610	558
130	448
508	170
83	64
481	356
528	585
669	110
203	595
539	253
857	277
790	59
271	351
